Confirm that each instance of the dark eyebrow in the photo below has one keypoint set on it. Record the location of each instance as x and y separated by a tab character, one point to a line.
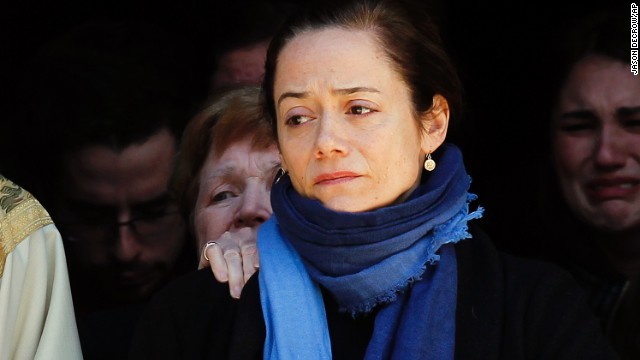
578	114
356	89
289	94
346	91
627	111
80	205
159	201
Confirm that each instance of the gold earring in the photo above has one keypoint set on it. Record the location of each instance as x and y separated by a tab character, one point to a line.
429	163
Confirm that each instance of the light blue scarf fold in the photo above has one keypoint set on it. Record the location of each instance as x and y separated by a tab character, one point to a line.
365	260
292	304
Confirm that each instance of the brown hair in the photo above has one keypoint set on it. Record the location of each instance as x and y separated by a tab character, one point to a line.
410	40
229	117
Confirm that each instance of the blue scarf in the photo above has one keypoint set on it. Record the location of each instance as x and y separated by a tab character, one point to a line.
394	257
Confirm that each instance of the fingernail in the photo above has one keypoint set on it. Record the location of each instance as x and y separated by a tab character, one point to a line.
236	292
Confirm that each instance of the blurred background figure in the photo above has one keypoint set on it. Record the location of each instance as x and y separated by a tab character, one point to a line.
595	144
226	165
586	211
36	310
240	44
110	108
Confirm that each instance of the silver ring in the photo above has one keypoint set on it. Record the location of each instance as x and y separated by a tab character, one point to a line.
204	251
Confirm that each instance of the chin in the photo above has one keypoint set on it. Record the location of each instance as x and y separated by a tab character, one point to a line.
618	223
351	205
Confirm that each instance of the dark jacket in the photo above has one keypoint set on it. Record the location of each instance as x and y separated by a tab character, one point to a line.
508	308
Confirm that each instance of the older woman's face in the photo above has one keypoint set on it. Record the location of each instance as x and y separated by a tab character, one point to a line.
234	190
346	128
596	143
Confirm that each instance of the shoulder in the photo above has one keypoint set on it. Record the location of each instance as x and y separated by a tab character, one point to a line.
195	316
523	306
11	195
194	290
480	252
176	323
482	266
20	215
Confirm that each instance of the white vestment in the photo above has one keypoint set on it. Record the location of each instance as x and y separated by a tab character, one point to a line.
36	311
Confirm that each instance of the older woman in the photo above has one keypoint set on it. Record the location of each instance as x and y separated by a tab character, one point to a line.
363	256
225	167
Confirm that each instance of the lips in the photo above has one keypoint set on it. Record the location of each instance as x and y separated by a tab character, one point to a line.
612	188
335	178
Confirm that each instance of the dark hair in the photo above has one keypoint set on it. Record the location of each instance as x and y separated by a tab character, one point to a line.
101	83
107	83
247	23
227	118
405	32
600	33
242	25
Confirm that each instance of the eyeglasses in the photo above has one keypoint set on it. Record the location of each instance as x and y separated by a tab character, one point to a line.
148	228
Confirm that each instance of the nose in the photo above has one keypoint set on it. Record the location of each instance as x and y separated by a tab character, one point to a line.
255	206
330	137
127	246
610	148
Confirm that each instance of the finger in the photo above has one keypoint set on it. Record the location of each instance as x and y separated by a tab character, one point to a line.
234	267
216	262
203	263
204	256
248	261
248	244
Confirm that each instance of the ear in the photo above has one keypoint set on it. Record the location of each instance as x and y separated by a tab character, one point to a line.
435	122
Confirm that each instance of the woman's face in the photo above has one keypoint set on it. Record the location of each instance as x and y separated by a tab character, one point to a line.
596	143
234	190
346	129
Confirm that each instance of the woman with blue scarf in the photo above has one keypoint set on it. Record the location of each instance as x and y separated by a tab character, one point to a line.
371	252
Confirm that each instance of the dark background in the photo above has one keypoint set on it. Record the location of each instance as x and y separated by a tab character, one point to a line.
500	48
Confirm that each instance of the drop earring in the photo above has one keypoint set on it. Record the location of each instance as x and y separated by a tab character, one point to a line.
429	163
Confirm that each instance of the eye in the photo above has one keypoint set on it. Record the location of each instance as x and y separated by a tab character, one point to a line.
222	196
151	214
296	120
578	125
633	124
359	110
578	121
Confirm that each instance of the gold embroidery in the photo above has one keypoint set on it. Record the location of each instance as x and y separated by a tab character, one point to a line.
10	195
19	216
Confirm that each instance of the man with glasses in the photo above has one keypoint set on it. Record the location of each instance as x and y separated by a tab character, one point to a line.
122	229
111	110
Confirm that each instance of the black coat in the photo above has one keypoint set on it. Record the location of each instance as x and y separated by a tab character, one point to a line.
508	308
